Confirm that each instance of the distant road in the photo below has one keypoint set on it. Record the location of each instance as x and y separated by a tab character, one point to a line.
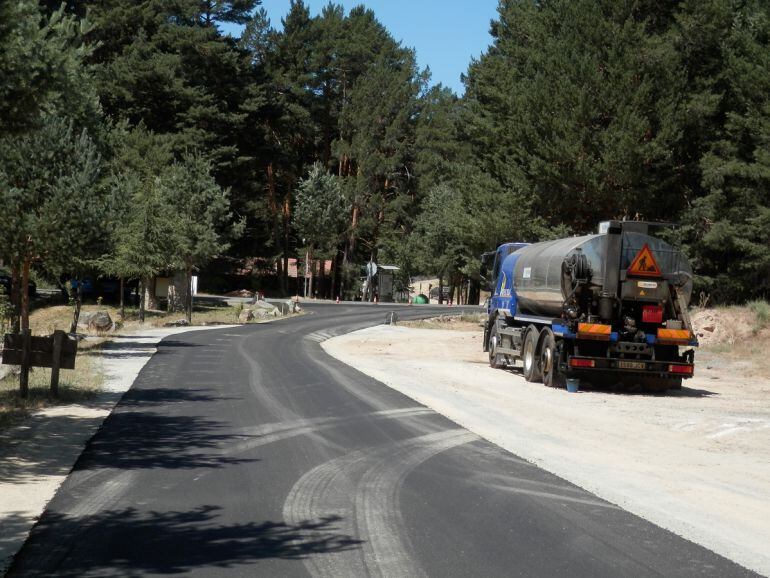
250	452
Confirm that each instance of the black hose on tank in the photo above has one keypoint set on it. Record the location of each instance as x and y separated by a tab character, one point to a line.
576	271
576	268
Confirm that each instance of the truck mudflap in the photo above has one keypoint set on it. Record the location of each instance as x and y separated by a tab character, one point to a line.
682	369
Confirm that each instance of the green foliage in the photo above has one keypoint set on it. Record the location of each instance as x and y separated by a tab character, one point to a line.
40	66
202	222
210	136
669	121
761	311
728	227
321	211
53	209
588	127
176	216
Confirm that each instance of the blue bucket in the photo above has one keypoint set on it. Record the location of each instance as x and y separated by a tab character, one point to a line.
573	385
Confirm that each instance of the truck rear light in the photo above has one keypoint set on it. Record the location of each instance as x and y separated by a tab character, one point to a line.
652	314
574	362
684	369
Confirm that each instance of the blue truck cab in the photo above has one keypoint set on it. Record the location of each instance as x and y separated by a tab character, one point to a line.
503	298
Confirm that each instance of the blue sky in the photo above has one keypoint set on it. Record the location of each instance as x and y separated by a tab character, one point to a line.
444	33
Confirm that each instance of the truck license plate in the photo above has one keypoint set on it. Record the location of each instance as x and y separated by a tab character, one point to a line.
632	365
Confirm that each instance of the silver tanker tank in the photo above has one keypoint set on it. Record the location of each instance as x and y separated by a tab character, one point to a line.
542	287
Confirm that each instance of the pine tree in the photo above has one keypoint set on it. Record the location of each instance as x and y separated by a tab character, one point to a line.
729	225
202	223
586	125
40	66
320	215
54	209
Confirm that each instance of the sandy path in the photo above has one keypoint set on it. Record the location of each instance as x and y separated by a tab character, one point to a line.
696	462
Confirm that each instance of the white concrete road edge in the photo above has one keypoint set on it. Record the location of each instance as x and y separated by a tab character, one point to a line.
36	456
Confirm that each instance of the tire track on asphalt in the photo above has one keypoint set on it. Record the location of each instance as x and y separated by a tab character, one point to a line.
360	491
276	432
256	381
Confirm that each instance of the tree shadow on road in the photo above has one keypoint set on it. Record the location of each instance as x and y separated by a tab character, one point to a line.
127	349
158	395
132	543
147	440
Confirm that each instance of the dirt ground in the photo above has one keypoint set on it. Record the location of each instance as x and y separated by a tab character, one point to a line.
695	461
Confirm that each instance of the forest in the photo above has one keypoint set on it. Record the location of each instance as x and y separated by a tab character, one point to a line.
138	137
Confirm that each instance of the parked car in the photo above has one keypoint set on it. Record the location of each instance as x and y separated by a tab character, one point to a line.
5	284
108	288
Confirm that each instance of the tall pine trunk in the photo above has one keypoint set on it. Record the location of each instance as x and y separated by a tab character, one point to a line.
122	300
25	293
335	274
15	297
275	225
142	291
286	232
189	303
310	272
78	305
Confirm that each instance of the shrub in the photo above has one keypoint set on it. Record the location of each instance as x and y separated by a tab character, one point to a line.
761	311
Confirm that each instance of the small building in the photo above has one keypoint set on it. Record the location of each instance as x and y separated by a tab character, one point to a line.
383	284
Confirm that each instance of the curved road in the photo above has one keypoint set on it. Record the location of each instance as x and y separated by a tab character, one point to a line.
250	452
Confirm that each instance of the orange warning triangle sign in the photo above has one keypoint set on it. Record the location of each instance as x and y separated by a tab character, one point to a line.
644	264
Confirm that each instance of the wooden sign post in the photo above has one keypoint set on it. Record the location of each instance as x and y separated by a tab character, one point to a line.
58	341
26	344
56	351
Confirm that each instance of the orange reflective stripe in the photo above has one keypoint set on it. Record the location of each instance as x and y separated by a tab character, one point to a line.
594	330
682	335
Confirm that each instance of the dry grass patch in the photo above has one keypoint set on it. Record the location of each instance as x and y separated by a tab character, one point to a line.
47	319
736	334
75	386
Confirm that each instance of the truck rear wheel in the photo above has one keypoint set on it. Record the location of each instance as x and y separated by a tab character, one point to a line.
549	362
529	355
496	360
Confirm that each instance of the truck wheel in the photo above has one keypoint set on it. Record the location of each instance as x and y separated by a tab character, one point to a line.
529	354
549	362
496	360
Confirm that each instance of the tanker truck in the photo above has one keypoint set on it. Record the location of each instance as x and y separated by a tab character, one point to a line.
607	308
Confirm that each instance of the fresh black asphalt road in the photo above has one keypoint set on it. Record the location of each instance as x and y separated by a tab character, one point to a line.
249	452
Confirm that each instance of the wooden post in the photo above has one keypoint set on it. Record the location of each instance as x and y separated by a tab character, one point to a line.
58	340
25	360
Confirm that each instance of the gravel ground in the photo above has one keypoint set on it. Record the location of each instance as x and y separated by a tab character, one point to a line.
696	461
